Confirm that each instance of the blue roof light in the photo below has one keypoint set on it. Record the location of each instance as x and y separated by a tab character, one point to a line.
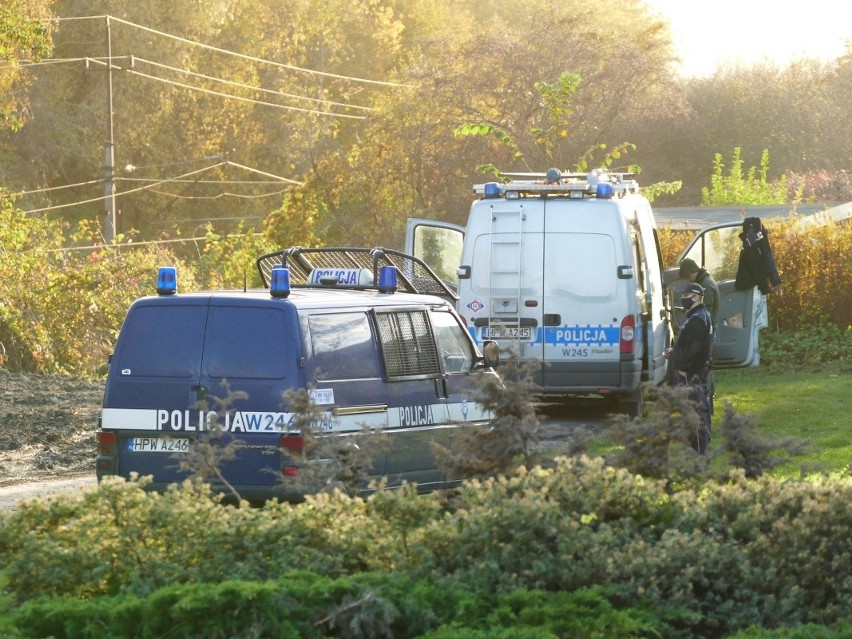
387	279
167	280
279	281
604	189
491	190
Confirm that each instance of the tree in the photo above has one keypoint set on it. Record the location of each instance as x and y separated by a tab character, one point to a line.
23	35
482	67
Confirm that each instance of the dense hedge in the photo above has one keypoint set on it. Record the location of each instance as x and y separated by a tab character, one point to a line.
697	563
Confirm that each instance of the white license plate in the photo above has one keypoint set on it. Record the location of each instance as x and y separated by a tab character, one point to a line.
513	332
157	445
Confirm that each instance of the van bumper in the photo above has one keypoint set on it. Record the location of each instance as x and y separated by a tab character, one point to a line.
583	378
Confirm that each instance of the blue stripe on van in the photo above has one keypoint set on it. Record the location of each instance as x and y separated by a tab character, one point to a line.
580	335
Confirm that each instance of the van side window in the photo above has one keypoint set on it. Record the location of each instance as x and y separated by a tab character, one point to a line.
453	343
246	342
162	341
408	346
343	346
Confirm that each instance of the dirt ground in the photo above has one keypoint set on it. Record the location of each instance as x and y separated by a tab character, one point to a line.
47	427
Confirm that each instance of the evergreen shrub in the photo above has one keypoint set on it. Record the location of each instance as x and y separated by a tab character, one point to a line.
708	561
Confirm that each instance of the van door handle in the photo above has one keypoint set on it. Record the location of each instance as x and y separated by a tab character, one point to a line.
200	392
441	388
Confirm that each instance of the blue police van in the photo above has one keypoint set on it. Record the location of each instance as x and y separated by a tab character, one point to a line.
370	334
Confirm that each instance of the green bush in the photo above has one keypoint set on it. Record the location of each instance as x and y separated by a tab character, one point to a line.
61	308
304	605
707	561
807	348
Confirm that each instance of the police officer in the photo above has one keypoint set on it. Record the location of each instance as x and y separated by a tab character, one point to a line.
689	359
691	272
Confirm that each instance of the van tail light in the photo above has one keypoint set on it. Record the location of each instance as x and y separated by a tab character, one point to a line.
107	443
628	333
107	462
294	446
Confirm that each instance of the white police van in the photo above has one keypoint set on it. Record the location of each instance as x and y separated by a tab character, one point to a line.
565	270
365	330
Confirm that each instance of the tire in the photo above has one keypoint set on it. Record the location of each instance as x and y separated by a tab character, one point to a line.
634	403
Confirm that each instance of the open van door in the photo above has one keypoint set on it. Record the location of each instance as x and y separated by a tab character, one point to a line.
438	244
741	314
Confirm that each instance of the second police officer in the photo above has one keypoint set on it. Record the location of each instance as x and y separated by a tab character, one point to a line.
689	359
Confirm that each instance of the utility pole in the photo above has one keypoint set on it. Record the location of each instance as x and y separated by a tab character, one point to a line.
110	227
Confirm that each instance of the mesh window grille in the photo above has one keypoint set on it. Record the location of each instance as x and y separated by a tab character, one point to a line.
407	343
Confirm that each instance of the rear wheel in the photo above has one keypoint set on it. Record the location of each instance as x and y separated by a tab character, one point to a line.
634	403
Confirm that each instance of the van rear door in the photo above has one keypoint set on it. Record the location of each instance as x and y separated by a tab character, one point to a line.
438	244
585	293
250	359
151	394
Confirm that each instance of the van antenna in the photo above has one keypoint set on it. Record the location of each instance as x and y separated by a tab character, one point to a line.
245	282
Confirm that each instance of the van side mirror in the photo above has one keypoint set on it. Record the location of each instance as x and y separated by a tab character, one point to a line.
490	353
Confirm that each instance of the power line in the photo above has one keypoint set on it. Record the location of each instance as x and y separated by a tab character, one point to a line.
237	97
242	56
164	181
102	198
105	62
133	179
16	64
59	188
218	195
241	85
152	181
148	242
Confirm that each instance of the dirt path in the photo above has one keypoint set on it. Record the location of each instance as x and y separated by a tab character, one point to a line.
47	427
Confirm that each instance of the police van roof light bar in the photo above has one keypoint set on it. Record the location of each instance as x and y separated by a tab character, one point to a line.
597	183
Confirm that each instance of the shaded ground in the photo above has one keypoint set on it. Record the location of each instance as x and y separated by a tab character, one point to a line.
47	426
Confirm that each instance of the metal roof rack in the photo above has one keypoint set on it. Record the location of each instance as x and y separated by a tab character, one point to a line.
413	276
556	182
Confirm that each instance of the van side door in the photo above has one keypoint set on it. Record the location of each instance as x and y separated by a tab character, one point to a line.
344	371
417	403
741	314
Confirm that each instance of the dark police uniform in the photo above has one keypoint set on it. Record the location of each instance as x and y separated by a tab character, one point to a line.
691	355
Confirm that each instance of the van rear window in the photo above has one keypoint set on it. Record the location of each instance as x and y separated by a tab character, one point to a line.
162	341
244	342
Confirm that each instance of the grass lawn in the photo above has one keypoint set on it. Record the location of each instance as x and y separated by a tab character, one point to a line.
815	406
